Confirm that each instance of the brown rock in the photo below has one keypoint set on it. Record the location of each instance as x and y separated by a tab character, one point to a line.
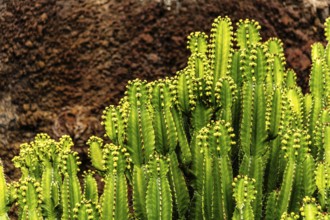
286	20
29	44
301	35
147	38
153	57
44	17
41	64
177	40
26	107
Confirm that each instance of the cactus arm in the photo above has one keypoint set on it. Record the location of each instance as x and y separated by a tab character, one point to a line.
114	124
70	195
247	33
185	151
286	188
70	190
271	203
165	130
74	185
85	210
226	189
322	183
317	78
261	65
200	68
245	128
207	191
317	81
226	90
235	71
139	192
153	206
220	47
225	141
158	195
259	131
30	199
184	91
244	194
297	188
307	108
90	187
133	131
310	210
317	51
275	46
65	200
201	116
197	42
140	133
178	187
327	29
295	99
236	74
326	143
291	79
197	170
219	211
253	124
114	200
95	152
213	172
122	209
273	170
309	176
276	112
257	171
3	195
47	184
109	197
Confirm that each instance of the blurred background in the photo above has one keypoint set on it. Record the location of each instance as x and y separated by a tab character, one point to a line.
63	61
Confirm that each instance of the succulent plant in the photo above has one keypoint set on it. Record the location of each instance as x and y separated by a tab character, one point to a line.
231	136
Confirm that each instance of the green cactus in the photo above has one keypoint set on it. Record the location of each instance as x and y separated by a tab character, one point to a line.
158	196
29	199
177	143
3	195
114	204
244	194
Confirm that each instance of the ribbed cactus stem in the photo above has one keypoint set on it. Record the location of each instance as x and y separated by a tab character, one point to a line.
3	195
310	210
114	202
244	194
30	198
95	152
158	196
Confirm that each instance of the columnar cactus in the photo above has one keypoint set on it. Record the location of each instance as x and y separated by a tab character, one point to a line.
3	195
230	136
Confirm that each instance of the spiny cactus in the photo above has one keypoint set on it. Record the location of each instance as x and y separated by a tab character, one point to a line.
3	195
230	136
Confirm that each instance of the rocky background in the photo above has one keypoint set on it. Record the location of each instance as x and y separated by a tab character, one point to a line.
63	61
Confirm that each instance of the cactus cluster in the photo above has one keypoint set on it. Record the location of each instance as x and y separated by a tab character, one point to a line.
231	136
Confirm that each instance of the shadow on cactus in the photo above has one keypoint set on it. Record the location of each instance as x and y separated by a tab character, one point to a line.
231	136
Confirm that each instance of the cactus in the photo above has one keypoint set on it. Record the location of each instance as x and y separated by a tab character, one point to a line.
3	195
114	204
230	136
158	196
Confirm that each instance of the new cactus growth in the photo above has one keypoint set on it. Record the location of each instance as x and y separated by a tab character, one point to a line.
230	136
